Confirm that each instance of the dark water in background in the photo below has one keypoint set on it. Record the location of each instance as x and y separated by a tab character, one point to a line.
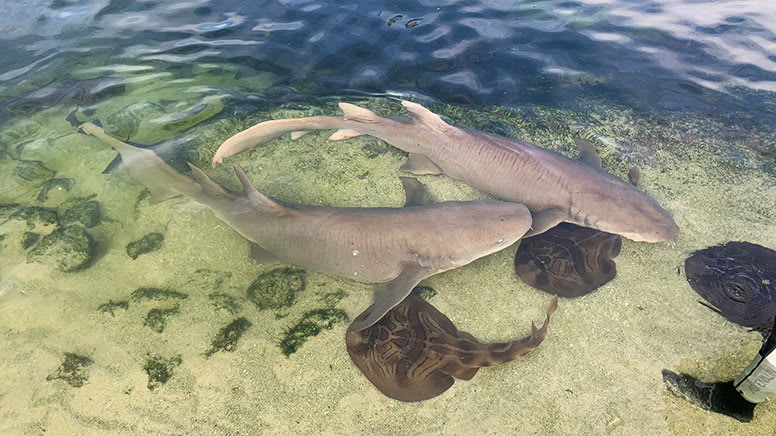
711	56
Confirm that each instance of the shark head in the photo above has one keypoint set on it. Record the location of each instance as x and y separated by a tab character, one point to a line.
632	214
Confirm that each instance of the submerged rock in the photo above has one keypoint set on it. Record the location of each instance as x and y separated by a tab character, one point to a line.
156	319
227	337
146	244
311	324
275	289
160	370
59	183
156	294
29	239
72	370
112	306
31	170
67	249
87	214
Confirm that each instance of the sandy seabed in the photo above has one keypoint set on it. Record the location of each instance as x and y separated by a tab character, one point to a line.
597	373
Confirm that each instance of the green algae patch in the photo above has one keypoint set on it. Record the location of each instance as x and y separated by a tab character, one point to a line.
34	216
87	213
160	370
72	370
425	292
223	301
275	289
156	319
67	249
32	170
147	244
227	337
331	299
156	294
311	324
29	239
112	306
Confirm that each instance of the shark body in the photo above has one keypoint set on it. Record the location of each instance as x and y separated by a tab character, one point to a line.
395	248
554	187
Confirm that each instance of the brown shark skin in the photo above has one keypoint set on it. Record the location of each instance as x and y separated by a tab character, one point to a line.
414	352
555	188
393	247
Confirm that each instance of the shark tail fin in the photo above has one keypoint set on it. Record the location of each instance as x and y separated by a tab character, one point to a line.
425	116
358	113
253	194
209	187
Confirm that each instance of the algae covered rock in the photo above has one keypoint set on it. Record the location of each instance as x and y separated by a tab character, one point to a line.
29	239
275	289
112	306
227	337
160	370
156	294
30	170
146	244
58	184
311	324
86	213
67	249
72	370
156	319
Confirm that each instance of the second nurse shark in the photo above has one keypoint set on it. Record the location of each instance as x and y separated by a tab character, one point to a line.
555	188
395	248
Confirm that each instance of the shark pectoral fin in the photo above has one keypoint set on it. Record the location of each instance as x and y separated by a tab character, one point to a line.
426	117
358	113
113	164
343	134
634	175
545	220
262	256
298	134
420	165
587	153
416	193
159	194
389	295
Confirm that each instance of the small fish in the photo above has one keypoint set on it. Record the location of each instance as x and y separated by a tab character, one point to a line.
555	188
415	352
395	248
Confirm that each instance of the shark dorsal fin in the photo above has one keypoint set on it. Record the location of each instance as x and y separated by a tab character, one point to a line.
358	113
253	194
426	117
208	185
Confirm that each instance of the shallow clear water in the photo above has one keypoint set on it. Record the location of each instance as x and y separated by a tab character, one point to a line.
682	89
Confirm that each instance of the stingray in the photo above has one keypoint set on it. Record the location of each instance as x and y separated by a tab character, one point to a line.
738	281
415	352
568	260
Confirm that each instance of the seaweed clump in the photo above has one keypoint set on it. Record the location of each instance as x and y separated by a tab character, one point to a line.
160	370
156	319
311	324
223	301
275	289
67	249
112	306
227	337
87	214
156	294
146	244
72	370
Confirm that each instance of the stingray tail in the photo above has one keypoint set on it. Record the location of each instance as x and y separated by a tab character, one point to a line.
502	353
